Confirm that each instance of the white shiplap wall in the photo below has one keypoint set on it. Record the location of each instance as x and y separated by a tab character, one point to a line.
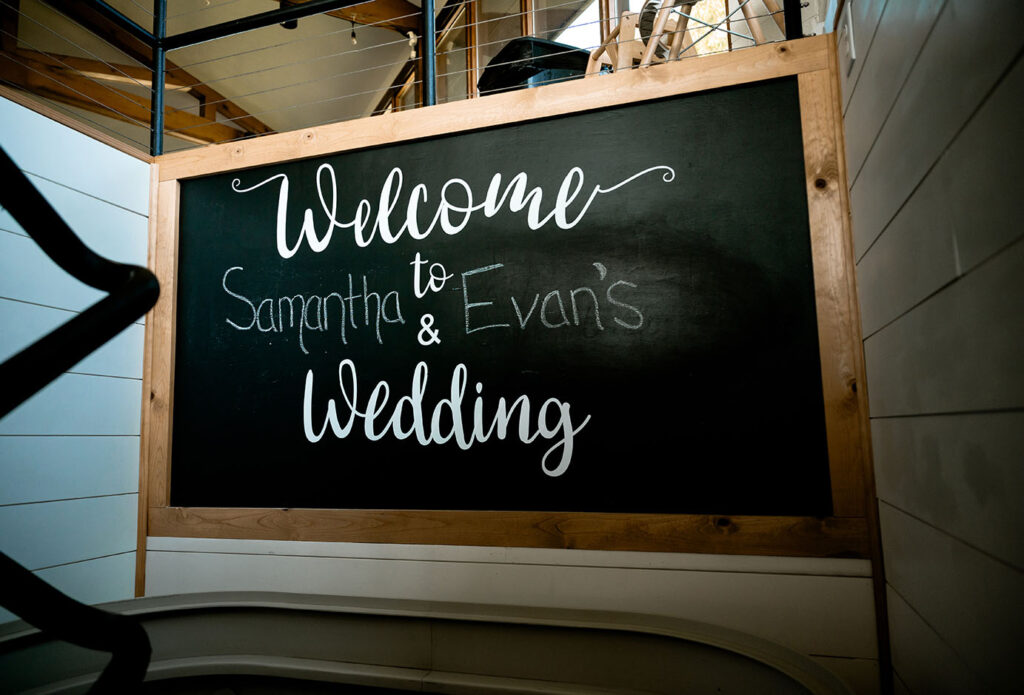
69	456
69	479
934	108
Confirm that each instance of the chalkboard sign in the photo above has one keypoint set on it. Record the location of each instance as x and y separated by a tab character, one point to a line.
611	311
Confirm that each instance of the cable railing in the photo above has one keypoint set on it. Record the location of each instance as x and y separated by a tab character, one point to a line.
266	71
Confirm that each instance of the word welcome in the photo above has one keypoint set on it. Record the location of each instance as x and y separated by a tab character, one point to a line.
407	416
451	215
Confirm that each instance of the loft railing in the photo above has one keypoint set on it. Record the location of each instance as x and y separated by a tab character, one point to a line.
160	77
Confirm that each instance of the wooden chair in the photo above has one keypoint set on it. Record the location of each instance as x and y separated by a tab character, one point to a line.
620	49
623	49
665	25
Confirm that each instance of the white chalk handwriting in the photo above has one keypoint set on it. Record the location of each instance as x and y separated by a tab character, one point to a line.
407	416
455	208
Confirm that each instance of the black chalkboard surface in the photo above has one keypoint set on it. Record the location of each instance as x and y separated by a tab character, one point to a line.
611	311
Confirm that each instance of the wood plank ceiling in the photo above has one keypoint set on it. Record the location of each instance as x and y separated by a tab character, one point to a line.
267	80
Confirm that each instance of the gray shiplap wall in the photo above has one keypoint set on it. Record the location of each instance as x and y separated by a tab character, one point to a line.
934	108
69	456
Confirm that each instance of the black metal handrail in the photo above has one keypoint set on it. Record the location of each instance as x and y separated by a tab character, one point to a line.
58	615
133	291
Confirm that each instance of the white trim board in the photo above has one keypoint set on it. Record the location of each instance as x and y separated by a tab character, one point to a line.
696	562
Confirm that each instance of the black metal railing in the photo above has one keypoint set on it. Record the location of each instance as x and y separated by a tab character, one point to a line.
274	82
59	616
133	291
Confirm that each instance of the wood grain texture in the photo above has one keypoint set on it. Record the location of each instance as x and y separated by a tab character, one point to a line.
160	344
865	486
747	535
147	386
759	63
838	330
869	508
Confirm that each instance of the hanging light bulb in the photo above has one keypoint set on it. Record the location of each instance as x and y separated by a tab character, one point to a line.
354	41
412	45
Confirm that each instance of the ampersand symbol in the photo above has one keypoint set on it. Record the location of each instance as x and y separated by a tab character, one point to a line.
428	334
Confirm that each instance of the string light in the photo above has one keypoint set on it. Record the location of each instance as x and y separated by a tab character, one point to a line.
354	40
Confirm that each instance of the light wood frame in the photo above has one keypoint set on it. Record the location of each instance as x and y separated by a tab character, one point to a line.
844	534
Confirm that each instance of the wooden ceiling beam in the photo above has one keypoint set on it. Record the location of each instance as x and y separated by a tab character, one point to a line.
95	22
68	87
99	70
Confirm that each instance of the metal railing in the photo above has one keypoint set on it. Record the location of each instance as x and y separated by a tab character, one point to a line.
163	77
133	291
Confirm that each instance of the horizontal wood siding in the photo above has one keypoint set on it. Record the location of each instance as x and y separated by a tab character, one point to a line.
949	80
933	127
43	469
46	534
69	456
99	580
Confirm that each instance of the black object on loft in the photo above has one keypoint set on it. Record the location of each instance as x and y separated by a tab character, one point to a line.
528	62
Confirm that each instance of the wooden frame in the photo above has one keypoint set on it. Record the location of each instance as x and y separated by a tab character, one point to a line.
472	67
845	534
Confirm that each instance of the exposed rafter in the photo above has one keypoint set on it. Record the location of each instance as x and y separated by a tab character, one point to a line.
99	70
48	78
445	22
211	101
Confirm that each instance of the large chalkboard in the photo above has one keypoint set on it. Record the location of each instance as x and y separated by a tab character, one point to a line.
617	306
